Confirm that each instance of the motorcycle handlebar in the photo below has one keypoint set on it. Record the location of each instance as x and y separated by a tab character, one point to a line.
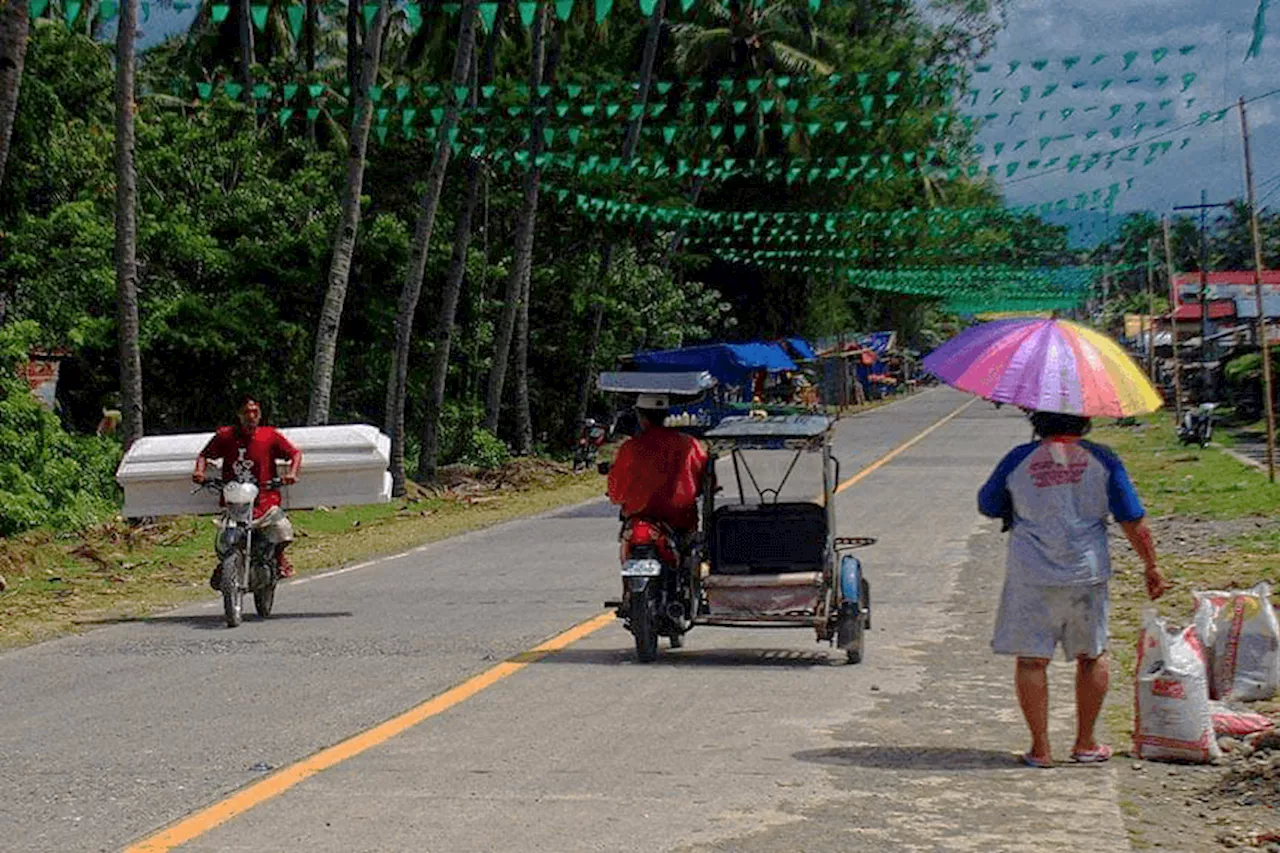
214	483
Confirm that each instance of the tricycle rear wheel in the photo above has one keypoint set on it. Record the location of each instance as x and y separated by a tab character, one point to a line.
850	632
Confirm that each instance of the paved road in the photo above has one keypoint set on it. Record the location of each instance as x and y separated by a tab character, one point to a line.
744	740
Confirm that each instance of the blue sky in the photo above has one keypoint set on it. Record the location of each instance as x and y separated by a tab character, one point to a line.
1220	31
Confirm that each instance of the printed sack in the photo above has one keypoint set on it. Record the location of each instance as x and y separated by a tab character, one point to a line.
1171	695
1240	630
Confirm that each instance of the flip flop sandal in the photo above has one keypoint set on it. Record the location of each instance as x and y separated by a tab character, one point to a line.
1031	761
1092	756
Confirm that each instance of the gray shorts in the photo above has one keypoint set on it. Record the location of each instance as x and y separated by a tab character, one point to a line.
1033	620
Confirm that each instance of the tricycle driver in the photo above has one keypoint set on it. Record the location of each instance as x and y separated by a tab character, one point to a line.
657	474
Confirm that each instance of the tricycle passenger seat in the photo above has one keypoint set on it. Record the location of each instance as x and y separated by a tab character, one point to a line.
768	539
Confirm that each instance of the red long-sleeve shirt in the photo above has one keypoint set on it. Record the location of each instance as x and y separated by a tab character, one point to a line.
657	475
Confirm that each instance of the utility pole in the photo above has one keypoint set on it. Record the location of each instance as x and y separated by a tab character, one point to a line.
1151	308
1204	207
1173	322
1263	344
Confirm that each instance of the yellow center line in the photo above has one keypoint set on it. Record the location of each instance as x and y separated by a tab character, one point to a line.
282	780
899	450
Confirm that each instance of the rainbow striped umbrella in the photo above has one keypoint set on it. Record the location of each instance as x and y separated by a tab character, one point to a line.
1048	365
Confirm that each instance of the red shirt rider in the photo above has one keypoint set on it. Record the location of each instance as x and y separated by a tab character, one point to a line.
250	451
657	475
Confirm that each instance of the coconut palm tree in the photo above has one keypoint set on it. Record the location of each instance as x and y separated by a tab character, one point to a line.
749	37
127	228
398	378
14	26
344	244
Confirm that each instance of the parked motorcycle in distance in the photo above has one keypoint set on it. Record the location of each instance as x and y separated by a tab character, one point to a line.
590	438
1197	425
248	559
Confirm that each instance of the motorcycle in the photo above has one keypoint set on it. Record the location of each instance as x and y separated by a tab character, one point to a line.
1197	425
655	603
590	439
248	561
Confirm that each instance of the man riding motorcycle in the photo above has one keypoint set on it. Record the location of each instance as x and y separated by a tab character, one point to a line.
249	453
657	474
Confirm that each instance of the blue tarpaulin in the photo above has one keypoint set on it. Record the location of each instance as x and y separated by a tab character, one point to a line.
729	363
802	348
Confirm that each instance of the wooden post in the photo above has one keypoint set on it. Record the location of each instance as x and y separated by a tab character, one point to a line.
1151	309
1264	349
1173	322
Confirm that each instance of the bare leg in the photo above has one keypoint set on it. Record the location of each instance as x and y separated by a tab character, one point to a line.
1092	677
1032	682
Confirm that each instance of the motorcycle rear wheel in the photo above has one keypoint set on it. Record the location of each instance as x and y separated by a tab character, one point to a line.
642	627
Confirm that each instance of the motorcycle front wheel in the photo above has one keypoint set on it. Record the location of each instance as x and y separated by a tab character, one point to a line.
263	599
231	590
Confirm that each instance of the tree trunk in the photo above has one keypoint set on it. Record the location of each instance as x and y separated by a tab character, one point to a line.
246	58
606	256
522	262
353	48
344	242
14	26
309	26
524	413
429	455
127	229
429	204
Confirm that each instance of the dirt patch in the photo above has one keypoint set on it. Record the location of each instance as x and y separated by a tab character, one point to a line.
1228	806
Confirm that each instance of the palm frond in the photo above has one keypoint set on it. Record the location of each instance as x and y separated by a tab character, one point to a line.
796	60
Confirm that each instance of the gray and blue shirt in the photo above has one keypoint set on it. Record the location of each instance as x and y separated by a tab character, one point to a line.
1057	495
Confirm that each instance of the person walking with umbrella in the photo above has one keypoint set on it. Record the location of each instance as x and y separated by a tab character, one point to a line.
1055	495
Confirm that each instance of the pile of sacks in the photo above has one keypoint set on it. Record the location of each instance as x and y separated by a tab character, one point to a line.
1190	680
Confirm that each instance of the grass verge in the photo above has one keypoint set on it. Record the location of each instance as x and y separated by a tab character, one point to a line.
1216	527
62	583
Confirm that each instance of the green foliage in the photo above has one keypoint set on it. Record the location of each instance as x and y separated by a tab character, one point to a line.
47	477
485	450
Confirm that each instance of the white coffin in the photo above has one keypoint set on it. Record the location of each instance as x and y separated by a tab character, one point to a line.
340	465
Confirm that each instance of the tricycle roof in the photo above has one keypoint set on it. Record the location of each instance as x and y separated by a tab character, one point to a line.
643	382
774	426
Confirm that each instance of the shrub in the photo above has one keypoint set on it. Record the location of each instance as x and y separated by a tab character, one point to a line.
48	478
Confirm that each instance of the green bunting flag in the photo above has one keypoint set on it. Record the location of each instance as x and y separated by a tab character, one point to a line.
297	17
284	116
527	11
233	90
218	12
71	10
686	5
370	12
204	91
315	89
36	7
647	7
488	14
259	16
289	90
603	7
413	16
1259	30
564	9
